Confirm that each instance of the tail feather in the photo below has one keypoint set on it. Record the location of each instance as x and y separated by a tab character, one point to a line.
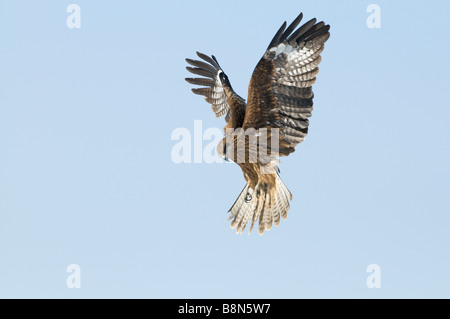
267	218
285	195
276	210
242	209
235	210
266	203
263	212
257	213
249	211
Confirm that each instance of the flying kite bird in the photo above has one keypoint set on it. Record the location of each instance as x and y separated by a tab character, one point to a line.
271	123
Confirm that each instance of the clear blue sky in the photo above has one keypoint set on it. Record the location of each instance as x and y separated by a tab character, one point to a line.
86	176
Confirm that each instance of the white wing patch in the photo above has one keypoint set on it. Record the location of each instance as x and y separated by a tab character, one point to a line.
296	66
281	48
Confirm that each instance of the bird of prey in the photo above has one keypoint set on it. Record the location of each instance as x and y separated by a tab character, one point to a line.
272	122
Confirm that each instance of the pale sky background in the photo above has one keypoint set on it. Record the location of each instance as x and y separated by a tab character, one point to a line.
86	176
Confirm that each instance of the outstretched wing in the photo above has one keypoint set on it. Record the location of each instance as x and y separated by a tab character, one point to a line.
213	89
280	91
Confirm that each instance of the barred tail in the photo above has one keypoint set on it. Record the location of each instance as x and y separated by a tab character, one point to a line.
267	202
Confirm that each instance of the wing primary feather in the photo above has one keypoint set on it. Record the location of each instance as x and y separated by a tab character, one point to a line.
208	59
276	38
315	27
217	62
201	65
205	91
291	27
201	72
302	30
317	33
201	81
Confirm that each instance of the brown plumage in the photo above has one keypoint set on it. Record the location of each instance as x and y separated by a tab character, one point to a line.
272	123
